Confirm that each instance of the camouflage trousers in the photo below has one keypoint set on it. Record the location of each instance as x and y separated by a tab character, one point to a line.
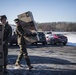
23	53
5	50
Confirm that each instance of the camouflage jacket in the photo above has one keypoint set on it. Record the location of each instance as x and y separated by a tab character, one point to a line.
20	35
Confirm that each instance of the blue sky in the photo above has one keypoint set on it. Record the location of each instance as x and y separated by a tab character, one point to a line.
43	10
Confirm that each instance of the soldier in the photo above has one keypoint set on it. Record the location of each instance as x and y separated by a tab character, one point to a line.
22	44
7	32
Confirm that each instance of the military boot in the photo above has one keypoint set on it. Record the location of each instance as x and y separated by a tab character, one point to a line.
18	64
30	67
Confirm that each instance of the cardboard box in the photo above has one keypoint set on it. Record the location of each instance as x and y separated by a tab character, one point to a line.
1	55
1	48
26	17
1	27
1	58
1	73
29	26
1	35
1	70
1	41
1	61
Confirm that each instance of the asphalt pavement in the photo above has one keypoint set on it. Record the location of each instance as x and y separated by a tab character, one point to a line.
46	60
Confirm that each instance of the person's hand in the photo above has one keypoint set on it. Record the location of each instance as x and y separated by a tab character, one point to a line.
27	34
34	34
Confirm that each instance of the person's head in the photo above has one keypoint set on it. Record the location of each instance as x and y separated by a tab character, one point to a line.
3	19
16	21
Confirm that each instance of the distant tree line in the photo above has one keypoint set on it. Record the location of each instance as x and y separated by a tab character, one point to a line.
57	26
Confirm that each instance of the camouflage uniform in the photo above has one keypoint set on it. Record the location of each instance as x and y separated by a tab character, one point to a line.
6	36
22	45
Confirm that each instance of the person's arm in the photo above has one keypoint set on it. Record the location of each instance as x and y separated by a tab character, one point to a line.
20	31
10	32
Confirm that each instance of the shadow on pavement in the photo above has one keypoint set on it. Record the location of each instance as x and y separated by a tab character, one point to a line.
41	60
44	70
39	46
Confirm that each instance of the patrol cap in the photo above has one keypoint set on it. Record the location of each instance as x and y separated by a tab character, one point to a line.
2	17
16	20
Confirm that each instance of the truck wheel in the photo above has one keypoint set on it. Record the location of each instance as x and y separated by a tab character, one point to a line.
43	43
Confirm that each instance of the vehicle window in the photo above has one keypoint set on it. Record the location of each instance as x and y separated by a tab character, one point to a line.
48	32
40	33
59	34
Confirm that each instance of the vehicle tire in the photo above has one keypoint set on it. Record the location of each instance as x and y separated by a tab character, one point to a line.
10	44
64	43
16	44
53	42
35	43
32	43
43	43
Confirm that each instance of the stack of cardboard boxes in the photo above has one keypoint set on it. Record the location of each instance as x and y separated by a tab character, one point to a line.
29	26
1	50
